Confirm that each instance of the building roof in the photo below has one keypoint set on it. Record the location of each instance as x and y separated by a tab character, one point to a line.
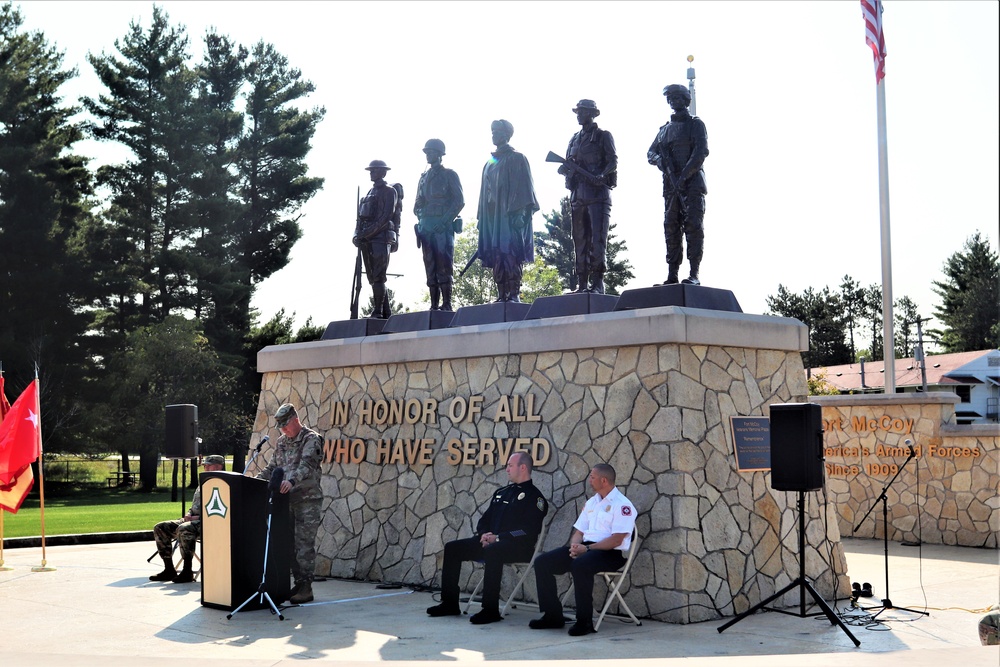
942	370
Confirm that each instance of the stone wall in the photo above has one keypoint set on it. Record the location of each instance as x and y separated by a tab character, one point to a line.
650	392
946	494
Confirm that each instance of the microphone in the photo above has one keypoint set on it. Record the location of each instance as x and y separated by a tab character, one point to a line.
277	477
262	441
909	443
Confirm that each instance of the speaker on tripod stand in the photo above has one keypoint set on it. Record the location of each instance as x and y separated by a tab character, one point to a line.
797	465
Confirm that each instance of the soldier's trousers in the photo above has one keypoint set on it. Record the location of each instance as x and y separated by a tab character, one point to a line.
493	557
684	220
590	236
439	257
376	258
304	516
185	532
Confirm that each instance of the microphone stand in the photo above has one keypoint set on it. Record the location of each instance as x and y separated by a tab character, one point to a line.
887	603
253	456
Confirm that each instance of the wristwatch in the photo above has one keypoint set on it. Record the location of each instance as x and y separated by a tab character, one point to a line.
588	546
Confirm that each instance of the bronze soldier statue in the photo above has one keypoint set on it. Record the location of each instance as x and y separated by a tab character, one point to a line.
679	151
591	171
437	205
375	234
506	204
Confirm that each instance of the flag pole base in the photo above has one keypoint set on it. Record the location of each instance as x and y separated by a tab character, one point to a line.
43	567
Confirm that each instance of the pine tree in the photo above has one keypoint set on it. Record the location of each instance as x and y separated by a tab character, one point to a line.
970	298
43	190
149	108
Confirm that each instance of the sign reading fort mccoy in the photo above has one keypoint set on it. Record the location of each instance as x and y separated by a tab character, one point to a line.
422	451
875	427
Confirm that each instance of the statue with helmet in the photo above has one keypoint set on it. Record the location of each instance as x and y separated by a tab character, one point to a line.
591	171
679	151
438	202
376	233
506	203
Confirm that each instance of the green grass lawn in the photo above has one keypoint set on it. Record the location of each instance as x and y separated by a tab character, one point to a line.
89	509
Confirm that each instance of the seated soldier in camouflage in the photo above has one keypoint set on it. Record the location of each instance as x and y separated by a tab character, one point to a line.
185	530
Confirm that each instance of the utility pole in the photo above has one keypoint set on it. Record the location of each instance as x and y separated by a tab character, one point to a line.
918	351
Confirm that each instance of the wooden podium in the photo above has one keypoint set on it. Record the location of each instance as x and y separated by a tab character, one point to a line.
233	532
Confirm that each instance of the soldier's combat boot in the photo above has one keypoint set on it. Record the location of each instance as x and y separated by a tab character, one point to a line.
168	573
692	279
672	275
597	283
446	298
186	574
582	286
303	594
514	291
435	297
378	300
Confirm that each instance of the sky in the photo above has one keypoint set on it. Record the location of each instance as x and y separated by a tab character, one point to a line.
786	90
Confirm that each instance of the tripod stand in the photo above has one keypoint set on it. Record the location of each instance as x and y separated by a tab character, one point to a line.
261	591
887	603
802	584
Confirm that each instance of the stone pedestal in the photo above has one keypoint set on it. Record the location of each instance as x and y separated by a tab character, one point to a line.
418	426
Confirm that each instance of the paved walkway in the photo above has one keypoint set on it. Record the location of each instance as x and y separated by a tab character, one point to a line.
99	608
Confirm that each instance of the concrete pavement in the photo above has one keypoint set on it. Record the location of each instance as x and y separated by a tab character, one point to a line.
98	608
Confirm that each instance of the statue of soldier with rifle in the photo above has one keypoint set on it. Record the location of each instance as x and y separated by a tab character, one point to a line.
679	151
591	171
438	202
376	235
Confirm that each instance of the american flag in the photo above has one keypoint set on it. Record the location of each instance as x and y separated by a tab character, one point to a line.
872	11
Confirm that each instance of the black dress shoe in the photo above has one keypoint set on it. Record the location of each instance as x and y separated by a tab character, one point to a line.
579	630
444	609
486	616
547	622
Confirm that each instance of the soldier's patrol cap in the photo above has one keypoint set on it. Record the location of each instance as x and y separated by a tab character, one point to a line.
677	89
284	413
506	125
589	105
434	145
375	164
214	460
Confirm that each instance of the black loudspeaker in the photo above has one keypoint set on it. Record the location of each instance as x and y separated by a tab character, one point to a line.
182	432
796	447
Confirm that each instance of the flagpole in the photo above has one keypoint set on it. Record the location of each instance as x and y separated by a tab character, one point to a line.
888	344
41	477
2	567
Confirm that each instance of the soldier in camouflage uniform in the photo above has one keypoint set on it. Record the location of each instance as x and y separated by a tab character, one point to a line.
376	234
679	151
298	452
185	530
438	203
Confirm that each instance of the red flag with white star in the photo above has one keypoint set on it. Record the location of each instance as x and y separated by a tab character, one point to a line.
20	436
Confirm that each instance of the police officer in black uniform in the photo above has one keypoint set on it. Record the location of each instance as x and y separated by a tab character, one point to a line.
592	151
506	533
375	233
437	205
679	151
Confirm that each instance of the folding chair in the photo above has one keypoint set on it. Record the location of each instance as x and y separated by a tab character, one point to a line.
526	567
619	578
179	560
